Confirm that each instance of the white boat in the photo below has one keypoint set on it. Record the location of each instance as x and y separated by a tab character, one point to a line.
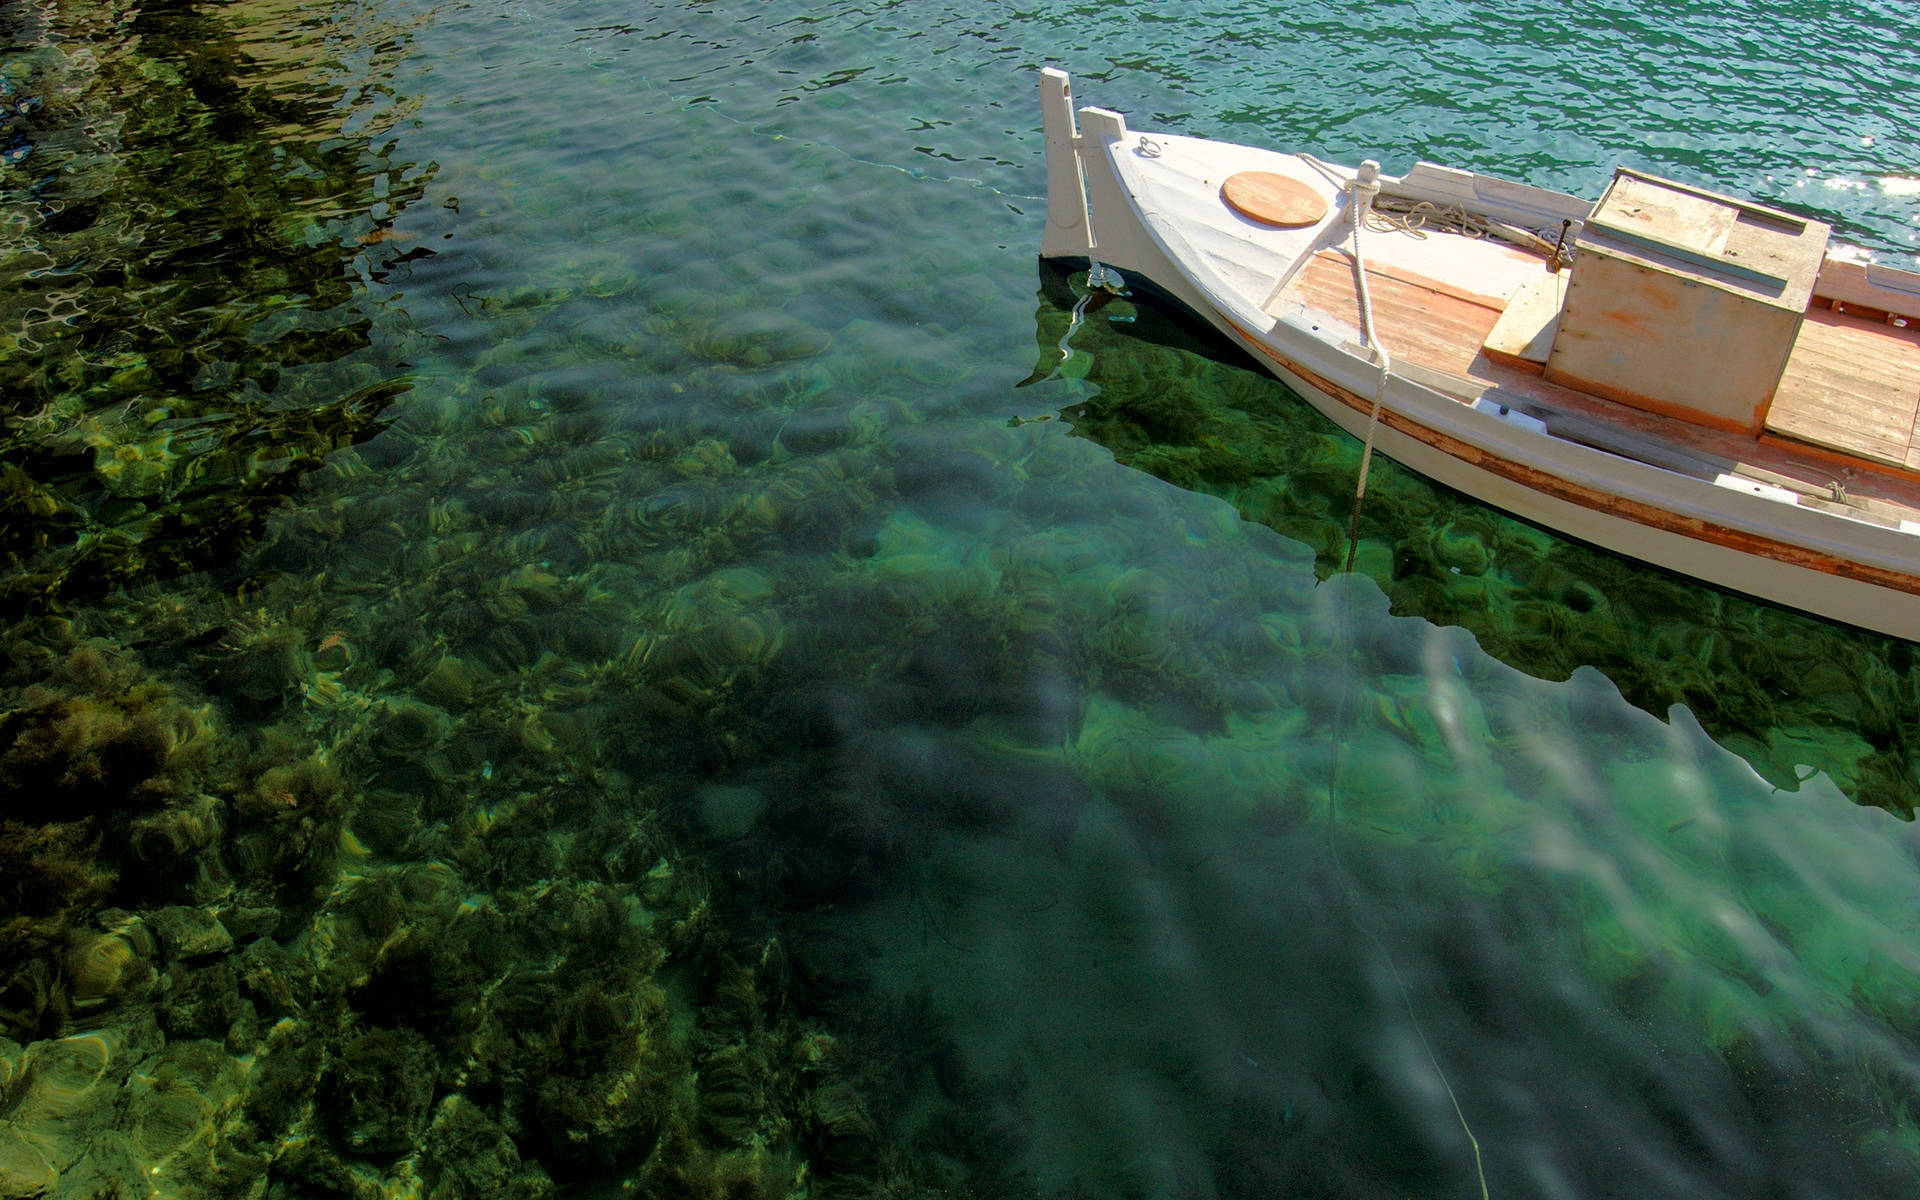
1675	375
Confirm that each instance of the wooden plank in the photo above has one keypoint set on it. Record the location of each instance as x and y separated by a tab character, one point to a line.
1708	266
1523	337
1422	320
1436	325
1851	385
1870	286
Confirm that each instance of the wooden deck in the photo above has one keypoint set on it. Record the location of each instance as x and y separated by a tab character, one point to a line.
1437	332
1852	384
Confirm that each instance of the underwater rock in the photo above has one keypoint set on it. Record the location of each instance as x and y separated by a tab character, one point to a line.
273	977
247	922
286	1069
13	1062
260	673
678	512
507	649
526	589
309	1166
406	729
172	1107
111	1165
66	757
828	427
24	1170
285	838
48	869
734	1099
706	459
66	1078
511	845
368	913
418	981
33	992
386	820
450	683
657	888
205	1002
161	842
1462	545
466	1155
842	1133
102	967
309	788
188	933
66	1110
756	337
379	1089
685	1167
610	1088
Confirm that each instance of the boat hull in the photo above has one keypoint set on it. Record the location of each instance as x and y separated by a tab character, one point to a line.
1867	577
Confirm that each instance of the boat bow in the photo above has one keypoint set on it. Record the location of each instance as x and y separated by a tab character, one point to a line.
1151	205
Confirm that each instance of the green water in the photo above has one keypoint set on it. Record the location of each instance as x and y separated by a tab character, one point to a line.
581	620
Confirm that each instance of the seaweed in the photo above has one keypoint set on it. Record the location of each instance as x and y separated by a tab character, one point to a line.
1169	397
379	1090
156	417
73	758
468	1155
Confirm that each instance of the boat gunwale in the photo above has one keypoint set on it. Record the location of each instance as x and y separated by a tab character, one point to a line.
1666	518
1581	469
1744	529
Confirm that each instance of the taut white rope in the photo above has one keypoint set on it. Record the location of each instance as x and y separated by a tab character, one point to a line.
1361	190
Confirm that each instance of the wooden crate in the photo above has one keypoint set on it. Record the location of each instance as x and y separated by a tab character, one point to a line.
1685	302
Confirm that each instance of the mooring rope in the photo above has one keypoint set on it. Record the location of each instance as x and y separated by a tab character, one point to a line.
1103	284
1361	190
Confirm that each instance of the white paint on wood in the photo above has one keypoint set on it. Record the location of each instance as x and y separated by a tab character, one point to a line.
1154	207
1527	325
1067	227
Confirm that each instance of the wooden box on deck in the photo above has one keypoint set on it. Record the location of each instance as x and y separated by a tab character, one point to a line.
1685	302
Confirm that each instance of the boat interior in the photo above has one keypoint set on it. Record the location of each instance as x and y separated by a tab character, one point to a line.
1462	308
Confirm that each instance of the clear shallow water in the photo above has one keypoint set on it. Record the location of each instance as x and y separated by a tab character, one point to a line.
579	664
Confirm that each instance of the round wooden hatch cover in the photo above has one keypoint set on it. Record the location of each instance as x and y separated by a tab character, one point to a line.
1273	199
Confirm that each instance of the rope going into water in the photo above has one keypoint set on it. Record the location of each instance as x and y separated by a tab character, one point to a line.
1361	190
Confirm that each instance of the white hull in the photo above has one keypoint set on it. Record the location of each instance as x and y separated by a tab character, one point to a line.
1148	204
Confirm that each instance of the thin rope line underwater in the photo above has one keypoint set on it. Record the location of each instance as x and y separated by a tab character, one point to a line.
1096	282
1341	713
1361	189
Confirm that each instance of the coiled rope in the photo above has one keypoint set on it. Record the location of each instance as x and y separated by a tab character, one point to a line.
1416	218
